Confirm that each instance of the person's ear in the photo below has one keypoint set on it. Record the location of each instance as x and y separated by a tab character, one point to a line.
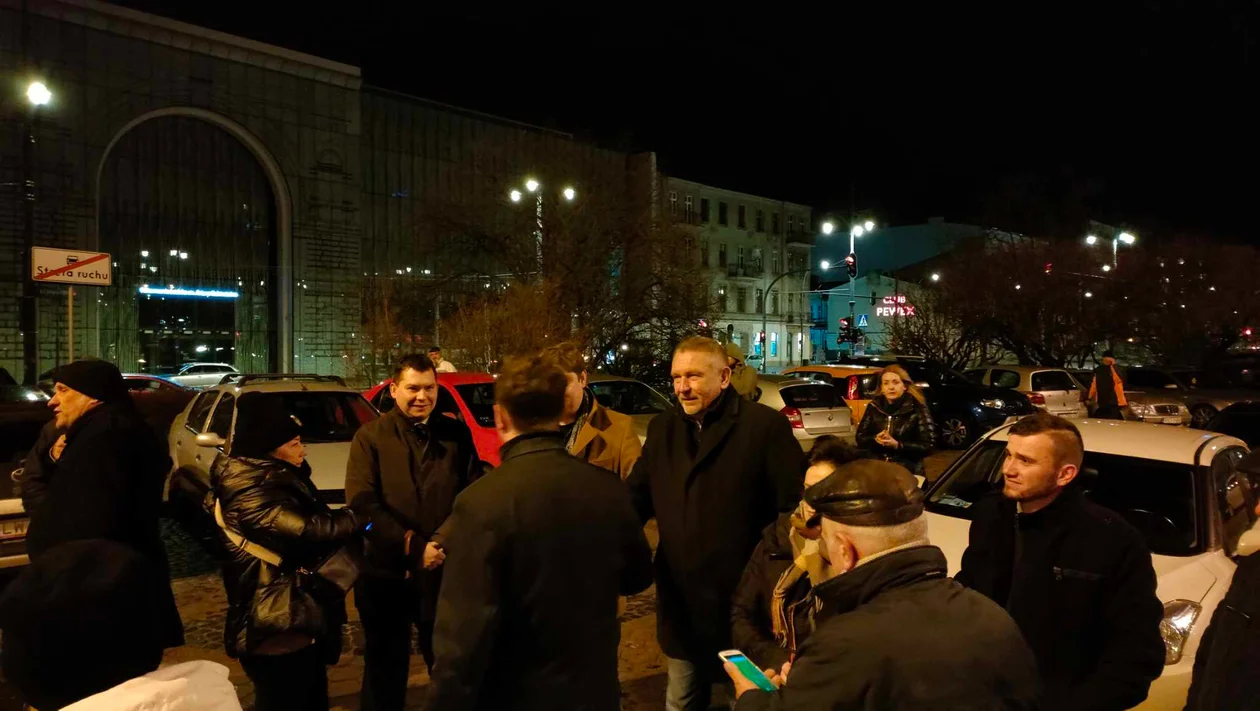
1067	474
583	378
726	376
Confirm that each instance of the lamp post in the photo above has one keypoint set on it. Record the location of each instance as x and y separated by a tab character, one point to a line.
1127	238
765	352
854	232
37	95
534	187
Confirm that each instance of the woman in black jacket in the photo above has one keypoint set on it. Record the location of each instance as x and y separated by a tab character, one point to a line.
897	426
282	627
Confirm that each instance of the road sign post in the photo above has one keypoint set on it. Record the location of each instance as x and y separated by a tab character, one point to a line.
71	266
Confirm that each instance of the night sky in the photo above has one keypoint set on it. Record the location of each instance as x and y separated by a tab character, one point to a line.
1143	116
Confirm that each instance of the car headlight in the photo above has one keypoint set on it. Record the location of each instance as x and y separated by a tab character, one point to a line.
995	403
1179	617
1140	409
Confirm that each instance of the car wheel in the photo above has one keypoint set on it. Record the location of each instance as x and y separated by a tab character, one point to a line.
956	432
1200	415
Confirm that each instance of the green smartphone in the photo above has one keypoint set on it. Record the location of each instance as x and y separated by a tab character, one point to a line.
748	669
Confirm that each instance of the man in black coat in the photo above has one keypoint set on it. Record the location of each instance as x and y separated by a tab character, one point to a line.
404	472
714	472
893	632
1076	577
538	552
102	478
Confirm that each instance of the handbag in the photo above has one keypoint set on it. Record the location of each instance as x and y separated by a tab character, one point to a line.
335	575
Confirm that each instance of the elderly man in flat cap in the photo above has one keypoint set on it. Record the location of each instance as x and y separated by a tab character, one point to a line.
102	477
893	631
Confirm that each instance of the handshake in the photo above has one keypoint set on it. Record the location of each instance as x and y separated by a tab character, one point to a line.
430	556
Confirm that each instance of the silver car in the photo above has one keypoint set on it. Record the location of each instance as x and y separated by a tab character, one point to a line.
1051	389
629	397
1201	392
200	376
814	409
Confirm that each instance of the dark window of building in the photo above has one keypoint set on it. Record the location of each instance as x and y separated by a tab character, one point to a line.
774	223
704	252
742	216
791	225
687	208
673	202
704	210
742	305
722	217
761	221
760	301
721	254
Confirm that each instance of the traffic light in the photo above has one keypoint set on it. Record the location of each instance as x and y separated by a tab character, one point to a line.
845	332
850	265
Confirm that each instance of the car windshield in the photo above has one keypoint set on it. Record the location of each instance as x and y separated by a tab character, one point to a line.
933	374
1154	496
1048	380
479	397
629	397
327	416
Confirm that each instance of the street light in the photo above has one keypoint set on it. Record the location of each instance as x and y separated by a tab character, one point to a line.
531	185
936	277
1127	238
827	228
857	231
825	265
1091	240
569	194
38	94
869	225
515	195
765	356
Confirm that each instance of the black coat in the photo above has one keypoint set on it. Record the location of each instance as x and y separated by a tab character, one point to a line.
538	552
751	629
275	505
1227	667
107	484
895	633
712	493
388	485
1083	594
911	426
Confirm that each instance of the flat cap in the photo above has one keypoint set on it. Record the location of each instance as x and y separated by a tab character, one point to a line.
867	492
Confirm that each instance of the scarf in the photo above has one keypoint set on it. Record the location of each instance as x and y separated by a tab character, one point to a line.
584	413
806	561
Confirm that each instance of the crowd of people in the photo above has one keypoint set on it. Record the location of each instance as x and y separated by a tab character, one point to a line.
819	568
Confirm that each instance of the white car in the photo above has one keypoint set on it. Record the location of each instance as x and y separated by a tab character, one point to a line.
1179	487
329	411
200	376
813	409
1051	389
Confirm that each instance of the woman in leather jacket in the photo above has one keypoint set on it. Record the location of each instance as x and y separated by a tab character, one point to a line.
281	627
897	426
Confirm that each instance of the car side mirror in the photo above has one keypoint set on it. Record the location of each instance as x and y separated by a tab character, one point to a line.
210	439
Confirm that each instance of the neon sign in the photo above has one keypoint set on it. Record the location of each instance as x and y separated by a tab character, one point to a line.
191	293
895	305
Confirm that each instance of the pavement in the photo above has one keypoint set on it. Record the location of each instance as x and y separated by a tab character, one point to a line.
202	603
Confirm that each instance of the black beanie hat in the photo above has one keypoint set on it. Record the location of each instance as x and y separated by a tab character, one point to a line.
98	379
262	424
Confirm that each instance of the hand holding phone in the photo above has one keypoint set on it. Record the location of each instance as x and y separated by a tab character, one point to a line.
746	675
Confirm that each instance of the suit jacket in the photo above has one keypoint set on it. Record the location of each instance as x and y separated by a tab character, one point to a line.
608	441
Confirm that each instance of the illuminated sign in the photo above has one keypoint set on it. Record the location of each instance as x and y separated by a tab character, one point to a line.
895	306
191	293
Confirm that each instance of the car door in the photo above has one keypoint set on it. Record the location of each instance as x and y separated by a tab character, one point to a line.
186	428
220	423
1059	391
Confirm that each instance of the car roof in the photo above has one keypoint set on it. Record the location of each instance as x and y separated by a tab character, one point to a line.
840	369
1140	439
1244	407
465	378
1023	369
603	377
221	365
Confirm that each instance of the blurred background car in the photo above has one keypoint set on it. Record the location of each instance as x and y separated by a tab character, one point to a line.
199	376
638	400
812	408
1051	389
1241	420
467	397
158	399
1204	392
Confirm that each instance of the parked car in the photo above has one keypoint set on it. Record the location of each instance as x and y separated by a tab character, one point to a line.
854	381
158	399
200	376
630	397
1051	389
962	410
1153	407
1241	420
467	397
1178	487
1203	392
20	424
812	408
329	411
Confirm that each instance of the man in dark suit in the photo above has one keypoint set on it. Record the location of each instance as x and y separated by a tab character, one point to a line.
538	552
404	473
714	473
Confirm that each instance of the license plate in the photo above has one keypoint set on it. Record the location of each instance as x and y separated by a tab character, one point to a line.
13	528
1172	420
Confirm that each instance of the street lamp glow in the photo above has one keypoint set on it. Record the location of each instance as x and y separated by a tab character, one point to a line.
1089	294
515	195
825	265
569	194
38	94
144	253
857	231
531	185
828	227
1106	267
625	347
869	225
1127	238
936	277
1091	240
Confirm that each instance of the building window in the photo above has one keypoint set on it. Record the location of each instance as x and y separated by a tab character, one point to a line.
742	216
791	225
722	217
742	302
704	252
791	304
721	254
761	220
673	202
774	344
774	262
704	210
722	297
774	303
760	303
739	256
774	223
687	208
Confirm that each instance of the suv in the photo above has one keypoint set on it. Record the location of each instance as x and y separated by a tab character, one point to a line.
1203	392
199	376
962	410
330	414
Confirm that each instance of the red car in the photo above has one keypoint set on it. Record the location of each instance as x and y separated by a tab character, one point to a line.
468	397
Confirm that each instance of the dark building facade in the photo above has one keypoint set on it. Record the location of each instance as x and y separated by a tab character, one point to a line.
252	199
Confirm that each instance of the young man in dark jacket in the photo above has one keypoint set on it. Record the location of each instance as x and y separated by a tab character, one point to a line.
1107	390
714	473
538	552
101	478
404	473
893	632
1076	577
771	610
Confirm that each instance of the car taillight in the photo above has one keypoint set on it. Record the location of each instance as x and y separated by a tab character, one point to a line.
1037	398
794	417
853	385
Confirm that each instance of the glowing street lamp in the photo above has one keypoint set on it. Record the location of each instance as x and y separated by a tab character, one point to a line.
936	276
870	226
569	194
1127	238
825	265
515	195
531	185
1091	240
38	94
828	227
